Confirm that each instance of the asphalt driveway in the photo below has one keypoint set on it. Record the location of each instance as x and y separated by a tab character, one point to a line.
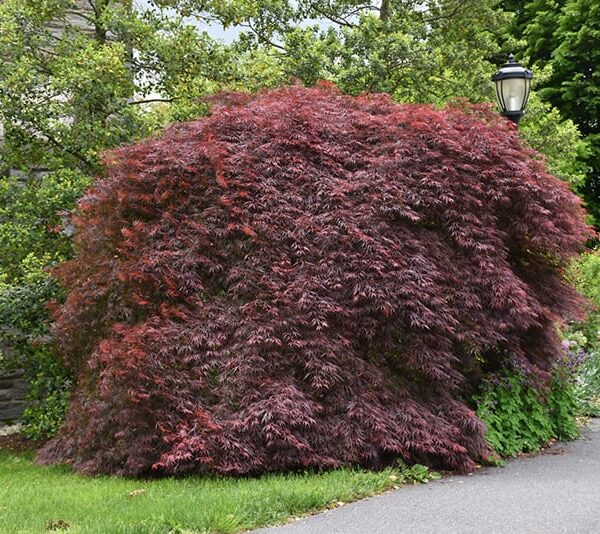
555	492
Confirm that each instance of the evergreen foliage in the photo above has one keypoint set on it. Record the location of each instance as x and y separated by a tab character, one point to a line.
575	83
562	41
306	279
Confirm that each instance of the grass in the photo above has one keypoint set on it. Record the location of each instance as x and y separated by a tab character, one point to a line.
41	499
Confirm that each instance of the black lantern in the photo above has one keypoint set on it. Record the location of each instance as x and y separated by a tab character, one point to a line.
512	89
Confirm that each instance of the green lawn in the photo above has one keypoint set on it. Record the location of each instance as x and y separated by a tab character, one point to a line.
39	499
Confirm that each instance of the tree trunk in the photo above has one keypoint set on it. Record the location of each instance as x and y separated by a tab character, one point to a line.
384	10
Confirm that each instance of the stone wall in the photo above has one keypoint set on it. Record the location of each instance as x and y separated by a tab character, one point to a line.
13	390
78	14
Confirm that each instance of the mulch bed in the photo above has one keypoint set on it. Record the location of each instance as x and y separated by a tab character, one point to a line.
19	444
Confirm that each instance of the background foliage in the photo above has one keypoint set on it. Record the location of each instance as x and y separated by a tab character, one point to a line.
34	233
583	339
562	39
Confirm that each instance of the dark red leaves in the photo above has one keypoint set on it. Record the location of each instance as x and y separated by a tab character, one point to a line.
306	279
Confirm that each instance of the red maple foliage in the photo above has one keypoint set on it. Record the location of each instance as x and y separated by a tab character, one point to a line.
307	280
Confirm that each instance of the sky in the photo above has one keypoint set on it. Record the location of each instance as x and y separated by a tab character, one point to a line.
215	30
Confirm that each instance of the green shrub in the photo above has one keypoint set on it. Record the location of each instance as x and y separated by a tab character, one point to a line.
562	405
34	235
587	390
585	355
582	340
586	277
49	390
24	331
520	418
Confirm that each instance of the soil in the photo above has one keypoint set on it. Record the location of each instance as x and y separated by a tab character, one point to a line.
19	444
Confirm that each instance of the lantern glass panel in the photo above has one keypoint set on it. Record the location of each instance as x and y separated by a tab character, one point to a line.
514	92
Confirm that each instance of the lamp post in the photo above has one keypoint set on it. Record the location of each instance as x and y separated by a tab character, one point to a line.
513	84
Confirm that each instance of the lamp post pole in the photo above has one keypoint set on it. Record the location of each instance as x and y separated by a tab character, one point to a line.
513	84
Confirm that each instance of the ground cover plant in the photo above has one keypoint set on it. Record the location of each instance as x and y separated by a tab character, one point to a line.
521	418
38	499
308	280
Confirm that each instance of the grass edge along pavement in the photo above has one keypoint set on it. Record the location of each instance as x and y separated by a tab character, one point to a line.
553	492
41	499
35	498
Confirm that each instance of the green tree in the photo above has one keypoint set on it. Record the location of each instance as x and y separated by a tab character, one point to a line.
542	17
415	51
574	86
559	140
68	94
562	41
532	27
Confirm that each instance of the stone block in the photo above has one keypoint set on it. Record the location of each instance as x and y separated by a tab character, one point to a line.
12	410
20	389
7	375
7	383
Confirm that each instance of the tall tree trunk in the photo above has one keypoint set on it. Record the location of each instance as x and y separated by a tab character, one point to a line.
384	10
99	29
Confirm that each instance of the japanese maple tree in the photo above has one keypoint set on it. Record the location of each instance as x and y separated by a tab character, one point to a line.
305	279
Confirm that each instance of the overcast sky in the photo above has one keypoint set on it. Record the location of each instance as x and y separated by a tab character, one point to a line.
214	30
